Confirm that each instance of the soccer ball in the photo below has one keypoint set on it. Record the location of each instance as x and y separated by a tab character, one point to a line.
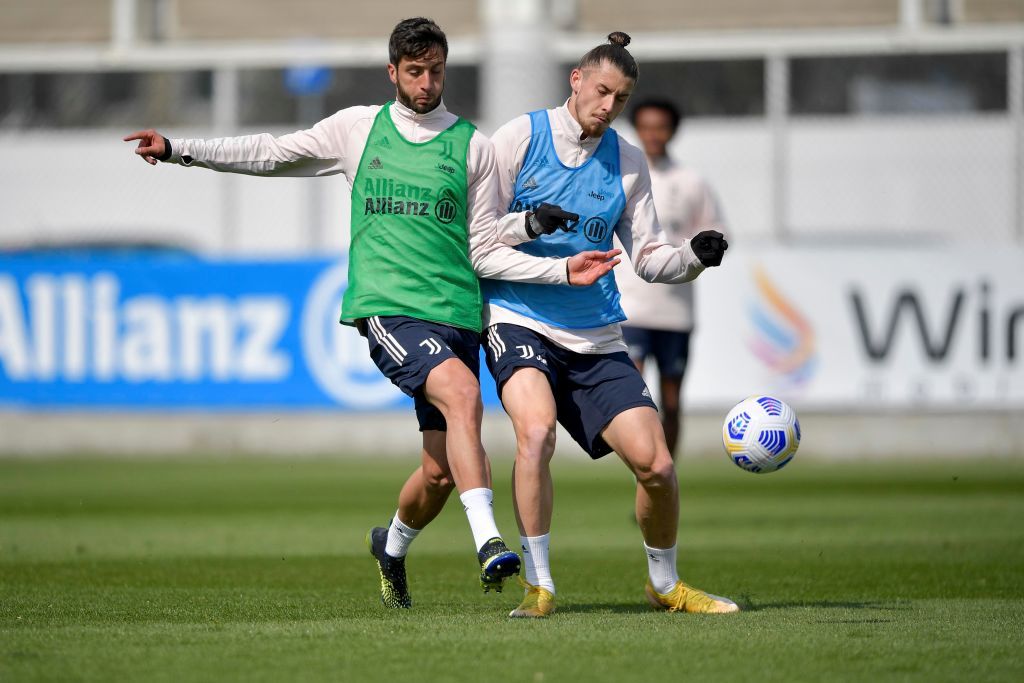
761	434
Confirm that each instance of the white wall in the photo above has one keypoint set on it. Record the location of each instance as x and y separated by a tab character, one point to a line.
848	178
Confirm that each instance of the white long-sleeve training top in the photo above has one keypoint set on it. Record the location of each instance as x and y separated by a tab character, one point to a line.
686	205
644	243
335	145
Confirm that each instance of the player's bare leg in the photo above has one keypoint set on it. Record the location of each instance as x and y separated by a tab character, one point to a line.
531	406
636	435
425	492
671	411
422	498
455	391
671	407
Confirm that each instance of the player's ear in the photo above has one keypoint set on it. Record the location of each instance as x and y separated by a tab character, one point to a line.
393	73
574	81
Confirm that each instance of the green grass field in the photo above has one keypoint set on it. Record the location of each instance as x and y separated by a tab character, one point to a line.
256	570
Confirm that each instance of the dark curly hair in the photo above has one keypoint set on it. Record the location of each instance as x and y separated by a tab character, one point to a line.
415	37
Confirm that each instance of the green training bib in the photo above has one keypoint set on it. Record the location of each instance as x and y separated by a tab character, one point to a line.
409	253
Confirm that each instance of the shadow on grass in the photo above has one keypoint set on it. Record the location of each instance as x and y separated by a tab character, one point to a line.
747	604
611	607
855	621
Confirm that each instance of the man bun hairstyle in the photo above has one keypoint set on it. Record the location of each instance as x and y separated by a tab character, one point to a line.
615	53
675	114
619	38
413	38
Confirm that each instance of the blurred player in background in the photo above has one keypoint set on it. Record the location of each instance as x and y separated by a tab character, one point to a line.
424	200
660	318
557	353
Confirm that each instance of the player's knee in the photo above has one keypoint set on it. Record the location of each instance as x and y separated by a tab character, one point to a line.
463	402
437	474
536	443
656	471
438	482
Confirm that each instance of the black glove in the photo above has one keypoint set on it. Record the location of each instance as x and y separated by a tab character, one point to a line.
548	218
709	246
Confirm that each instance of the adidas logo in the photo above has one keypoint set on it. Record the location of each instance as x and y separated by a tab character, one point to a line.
531	184
383	142
375	165
646	393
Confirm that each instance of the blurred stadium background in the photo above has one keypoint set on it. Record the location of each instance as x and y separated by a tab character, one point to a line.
869	156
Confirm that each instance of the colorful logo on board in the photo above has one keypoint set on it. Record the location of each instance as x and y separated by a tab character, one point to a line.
782	338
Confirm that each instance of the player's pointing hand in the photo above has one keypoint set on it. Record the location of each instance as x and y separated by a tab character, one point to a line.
587	267
152	146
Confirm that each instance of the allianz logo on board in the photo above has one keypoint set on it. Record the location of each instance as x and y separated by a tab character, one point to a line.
336	355
76	327
79	328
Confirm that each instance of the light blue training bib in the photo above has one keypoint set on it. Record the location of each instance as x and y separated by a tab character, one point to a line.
594	191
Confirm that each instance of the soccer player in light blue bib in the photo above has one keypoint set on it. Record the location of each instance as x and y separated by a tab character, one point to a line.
557	352
594	190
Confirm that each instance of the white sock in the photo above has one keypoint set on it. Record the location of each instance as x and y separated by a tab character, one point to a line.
400	537
535	558
661	566
480	512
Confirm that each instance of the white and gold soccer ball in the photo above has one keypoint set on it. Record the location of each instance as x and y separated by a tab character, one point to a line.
761	434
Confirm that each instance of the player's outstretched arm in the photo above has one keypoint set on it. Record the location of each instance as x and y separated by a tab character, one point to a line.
152	145
587	267
319	150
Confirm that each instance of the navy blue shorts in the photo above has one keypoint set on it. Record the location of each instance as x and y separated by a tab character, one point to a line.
407	349
589	389
670	349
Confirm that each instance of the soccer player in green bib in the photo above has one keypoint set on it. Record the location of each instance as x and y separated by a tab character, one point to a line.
423	229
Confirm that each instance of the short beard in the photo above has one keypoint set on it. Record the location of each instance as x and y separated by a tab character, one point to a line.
407	101
586	134
596	132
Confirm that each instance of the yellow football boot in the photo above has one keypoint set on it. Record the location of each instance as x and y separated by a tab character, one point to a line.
537	603
683	598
